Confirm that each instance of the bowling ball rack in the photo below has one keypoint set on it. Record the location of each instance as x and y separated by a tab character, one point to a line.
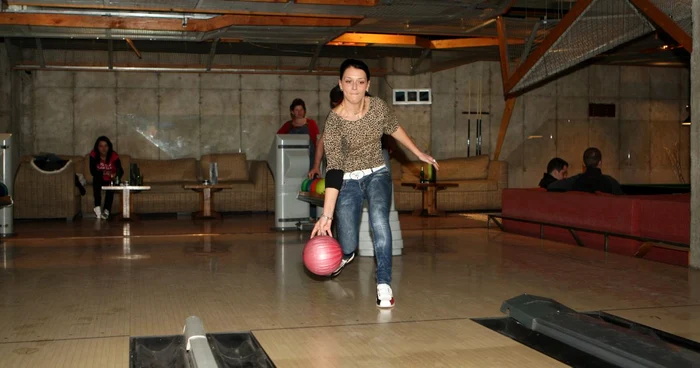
591	339
197	349
315	200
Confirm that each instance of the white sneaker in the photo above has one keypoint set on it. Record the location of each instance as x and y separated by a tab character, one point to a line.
105	215
98	212
343	263
385	297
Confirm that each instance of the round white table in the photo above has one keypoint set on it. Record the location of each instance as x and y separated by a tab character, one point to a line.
127	200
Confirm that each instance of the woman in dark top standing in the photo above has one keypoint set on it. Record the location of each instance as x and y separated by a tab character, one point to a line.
357	171
105	166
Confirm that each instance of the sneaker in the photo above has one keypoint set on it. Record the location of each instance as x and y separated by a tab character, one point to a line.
385	297
105	215
343	263
98	212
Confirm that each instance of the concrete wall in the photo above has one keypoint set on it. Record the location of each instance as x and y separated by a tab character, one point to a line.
168	115
650	103
5	92
162	115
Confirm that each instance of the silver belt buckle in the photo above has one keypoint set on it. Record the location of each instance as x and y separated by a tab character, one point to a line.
356	175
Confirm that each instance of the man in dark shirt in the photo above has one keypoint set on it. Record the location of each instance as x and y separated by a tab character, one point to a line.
557	169
592	180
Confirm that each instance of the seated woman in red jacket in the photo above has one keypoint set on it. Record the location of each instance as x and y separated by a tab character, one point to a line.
105	166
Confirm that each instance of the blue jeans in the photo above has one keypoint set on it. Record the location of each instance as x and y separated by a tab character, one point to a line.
376	189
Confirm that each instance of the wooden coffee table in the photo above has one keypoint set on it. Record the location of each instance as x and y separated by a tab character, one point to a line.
206	198
127	199
429	197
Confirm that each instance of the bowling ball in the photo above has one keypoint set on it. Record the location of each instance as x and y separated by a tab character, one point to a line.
322	255
321	186
308	185
312	188
304	185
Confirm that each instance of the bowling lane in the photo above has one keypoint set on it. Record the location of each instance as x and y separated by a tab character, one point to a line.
110	352
683	321
148	286
448	343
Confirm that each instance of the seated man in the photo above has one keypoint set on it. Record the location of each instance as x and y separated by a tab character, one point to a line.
592	180
557	169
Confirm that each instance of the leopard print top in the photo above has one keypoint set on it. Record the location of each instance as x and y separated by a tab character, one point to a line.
356	145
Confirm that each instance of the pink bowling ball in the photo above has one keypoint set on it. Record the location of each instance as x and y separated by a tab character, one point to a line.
322	255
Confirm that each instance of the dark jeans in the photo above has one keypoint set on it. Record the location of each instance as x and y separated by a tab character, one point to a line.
97	184
376	188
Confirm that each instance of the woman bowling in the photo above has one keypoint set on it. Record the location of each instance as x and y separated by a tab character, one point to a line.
336	97
105	166
356	171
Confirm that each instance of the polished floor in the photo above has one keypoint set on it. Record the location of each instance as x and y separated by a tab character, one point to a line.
72	294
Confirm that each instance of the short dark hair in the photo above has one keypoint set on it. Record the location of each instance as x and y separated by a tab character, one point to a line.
357	64
297	102
592	156
556	164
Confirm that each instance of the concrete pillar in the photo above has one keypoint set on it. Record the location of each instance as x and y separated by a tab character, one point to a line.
695	141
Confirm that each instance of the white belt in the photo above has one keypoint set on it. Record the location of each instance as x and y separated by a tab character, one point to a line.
359	174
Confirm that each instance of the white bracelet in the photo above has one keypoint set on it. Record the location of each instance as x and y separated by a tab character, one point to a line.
329	218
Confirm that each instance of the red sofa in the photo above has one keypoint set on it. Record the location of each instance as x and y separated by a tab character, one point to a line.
663	217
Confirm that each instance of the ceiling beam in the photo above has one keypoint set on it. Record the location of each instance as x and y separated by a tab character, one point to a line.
192	68
339	2
376	38
576	10
665	22
357	39
321	2
40	53
171	9
424	55
503	51
133	48
165	24
14	54
212	54
456	43
314	59
505	121
110	54
530	41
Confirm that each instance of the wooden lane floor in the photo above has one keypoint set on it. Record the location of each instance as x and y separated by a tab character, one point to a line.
231	224
449	343
85	296
683	321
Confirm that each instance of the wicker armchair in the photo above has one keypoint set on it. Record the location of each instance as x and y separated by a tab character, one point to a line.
39	194
249	180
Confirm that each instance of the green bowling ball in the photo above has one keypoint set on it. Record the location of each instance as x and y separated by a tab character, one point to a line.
305	185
